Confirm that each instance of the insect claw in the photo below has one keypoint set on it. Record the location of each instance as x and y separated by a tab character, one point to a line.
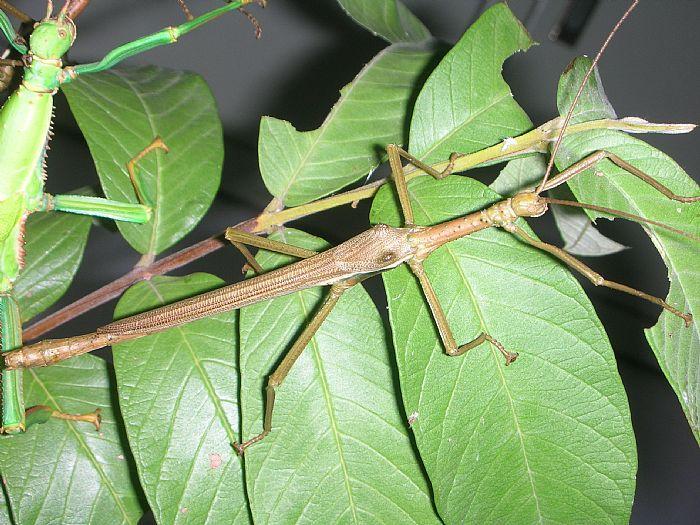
510	357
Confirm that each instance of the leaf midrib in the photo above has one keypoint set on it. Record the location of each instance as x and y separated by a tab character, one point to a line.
330	409
496	355
83	445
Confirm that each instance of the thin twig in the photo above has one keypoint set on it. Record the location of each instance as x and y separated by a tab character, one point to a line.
533	141
76	7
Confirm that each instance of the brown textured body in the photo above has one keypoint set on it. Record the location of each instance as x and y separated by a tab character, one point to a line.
372	251
380	248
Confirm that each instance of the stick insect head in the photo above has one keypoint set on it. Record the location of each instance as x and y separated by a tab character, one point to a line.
53	37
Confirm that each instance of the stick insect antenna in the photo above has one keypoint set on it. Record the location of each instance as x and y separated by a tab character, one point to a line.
185	9
570	113
64	10
619	213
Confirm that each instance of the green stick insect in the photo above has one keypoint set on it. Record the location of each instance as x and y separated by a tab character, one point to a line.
25	129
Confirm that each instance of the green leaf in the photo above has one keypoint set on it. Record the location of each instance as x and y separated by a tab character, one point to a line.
55	243
120	112
519	174
593	103
339	450
5	516
178	393
465	104
676	347
67	472
299	167
542	440
389	19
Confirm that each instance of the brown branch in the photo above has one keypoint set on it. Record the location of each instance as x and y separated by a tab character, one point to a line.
76	7
273	216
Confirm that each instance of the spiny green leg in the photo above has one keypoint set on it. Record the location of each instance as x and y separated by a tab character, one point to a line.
169	35
280	373
592	159
591	275
12	396
416	265
109	209
240	238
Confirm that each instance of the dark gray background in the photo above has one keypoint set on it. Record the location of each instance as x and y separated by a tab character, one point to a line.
310	49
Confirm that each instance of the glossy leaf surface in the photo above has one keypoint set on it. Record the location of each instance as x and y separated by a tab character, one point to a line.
465	105
544	439
389	19
178	393
298	167
339	451
120	112
68	472
54	248
676	347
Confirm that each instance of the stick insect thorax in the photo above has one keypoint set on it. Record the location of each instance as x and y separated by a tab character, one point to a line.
373	251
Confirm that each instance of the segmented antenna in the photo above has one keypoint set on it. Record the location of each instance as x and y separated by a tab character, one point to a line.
620	213
569	114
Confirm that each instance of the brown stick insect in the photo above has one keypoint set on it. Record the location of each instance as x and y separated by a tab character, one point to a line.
370	253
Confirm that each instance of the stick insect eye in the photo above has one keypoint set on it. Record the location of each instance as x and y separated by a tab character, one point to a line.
387	257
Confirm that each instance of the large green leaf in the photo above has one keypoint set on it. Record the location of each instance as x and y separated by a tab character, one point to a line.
676	347
389	19
339	450
466	105
54	249
120	112
66	472
298	167
543	440
178	393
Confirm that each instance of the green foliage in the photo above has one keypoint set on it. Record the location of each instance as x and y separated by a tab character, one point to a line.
456	112
121	112
508	445
389	19
340	450
178	394
54	249
68	472
676	347
298	167
468	440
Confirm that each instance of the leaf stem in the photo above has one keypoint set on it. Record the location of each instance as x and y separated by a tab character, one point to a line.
275	215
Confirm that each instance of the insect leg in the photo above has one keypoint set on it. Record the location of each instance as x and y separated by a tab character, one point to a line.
240	238
596	157
12	394
110	209
280	373
157	143
591	275
448	340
